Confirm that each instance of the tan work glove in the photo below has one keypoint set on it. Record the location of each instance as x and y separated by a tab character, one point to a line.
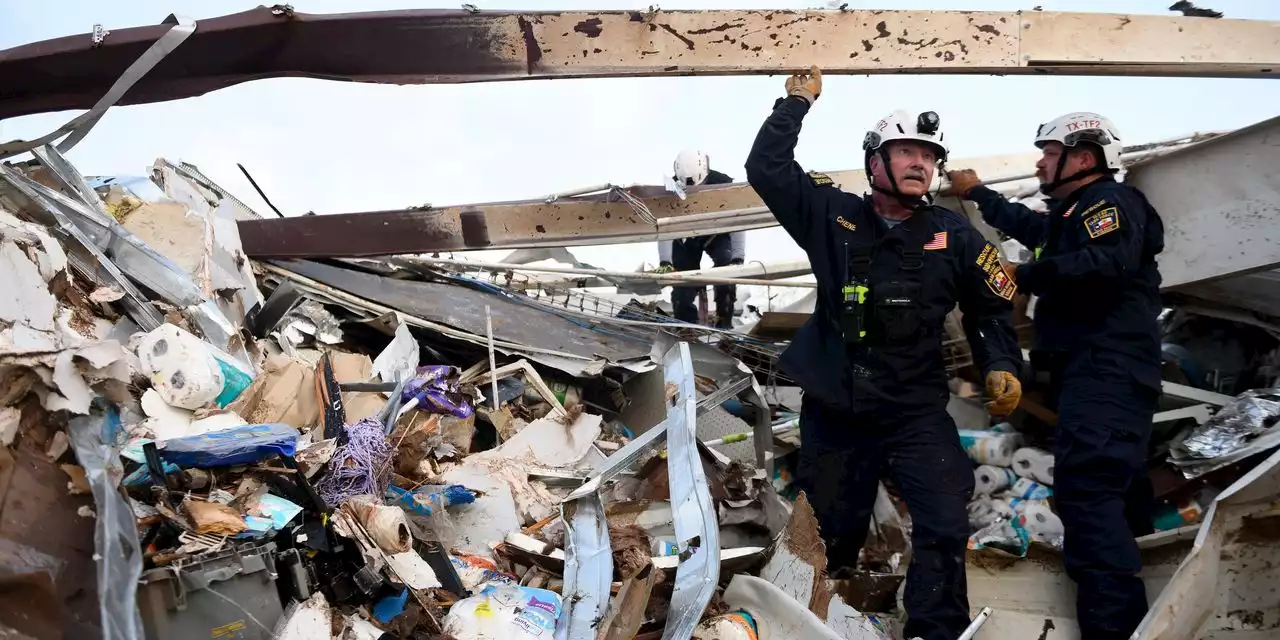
806	85
962	180
1004	392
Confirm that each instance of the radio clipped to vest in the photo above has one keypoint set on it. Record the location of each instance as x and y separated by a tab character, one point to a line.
853	311
897	302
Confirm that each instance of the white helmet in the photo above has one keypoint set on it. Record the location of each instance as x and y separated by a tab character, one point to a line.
692	167
903	125
1083	126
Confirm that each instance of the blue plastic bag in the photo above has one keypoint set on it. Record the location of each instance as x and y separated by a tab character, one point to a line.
239	445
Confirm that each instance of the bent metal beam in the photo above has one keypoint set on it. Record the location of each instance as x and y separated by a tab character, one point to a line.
582	220
451	46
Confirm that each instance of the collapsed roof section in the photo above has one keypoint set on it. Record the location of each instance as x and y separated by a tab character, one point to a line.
438	46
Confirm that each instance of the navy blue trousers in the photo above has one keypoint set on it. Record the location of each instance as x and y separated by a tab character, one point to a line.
1104	495
686	255
842	457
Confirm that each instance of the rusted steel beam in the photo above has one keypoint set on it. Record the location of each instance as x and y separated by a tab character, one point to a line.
585	220
438	46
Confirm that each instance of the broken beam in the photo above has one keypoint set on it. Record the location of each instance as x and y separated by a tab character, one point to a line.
571	221
450	46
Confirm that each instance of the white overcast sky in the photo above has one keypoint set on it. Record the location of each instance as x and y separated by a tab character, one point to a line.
333	147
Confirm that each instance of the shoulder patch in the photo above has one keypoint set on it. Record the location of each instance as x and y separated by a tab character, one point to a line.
997	278
939	242
1102	222
840	220
1001	284
820	179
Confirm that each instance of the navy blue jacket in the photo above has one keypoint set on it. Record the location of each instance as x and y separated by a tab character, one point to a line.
1096	275
959	266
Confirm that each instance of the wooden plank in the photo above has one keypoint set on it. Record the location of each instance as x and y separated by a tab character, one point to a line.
450	46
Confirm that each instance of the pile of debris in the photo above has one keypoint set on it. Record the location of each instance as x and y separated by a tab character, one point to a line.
358	448
369	448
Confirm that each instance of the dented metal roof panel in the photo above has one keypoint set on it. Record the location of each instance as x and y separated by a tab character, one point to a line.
464	308
449	46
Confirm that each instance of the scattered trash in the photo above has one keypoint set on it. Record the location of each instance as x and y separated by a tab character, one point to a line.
358	467
505	612
287	467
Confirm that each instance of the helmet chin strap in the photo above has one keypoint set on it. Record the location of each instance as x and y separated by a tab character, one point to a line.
1049	187
914	203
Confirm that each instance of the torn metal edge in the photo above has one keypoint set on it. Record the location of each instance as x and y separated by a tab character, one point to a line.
696	525
588	567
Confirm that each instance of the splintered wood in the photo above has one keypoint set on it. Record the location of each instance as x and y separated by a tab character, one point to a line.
798	565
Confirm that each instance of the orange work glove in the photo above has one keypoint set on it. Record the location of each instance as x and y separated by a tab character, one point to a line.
1004	392
962	180
806	85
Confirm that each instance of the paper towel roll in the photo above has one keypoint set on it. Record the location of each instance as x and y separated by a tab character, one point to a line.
1037	464
1041	523
988	479
1029	489
388	526
990	447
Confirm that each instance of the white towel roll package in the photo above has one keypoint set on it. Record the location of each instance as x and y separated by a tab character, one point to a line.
1041	523
989	479
1033	463
990	447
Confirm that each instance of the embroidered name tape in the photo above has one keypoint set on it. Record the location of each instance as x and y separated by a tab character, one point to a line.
820	179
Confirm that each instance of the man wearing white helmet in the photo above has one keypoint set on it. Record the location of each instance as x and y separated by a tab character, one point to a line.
1097	339
693	168
889	266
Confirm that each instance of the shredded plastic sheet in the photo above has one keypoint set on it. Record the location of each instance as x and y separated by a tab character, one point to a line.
436	388
97	439
1252	414
1005	535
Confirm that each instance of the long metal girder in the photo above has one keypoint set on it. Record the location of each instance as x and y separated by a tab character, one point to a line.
582	220
447	46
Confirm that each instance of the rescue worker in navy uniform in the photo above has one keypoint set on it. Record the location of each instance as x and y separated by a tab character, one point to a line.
693	168
1097	337
889	268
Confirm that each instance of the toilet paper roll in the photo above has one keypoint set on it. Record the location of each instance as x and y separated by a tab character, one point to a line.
1041	523
1029	489
990	447
988	479
1037	464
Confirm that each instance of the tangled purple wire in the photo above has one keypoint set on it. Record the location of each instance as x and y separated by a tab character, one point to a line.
361	466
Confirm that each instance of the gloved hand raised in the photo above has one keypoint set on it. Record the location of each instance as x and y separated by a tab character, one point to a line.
1003	393
962	180
806	85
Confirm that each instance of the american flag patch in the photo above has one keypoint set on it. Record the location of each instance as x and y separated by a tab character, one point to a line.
1070	210
939	242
